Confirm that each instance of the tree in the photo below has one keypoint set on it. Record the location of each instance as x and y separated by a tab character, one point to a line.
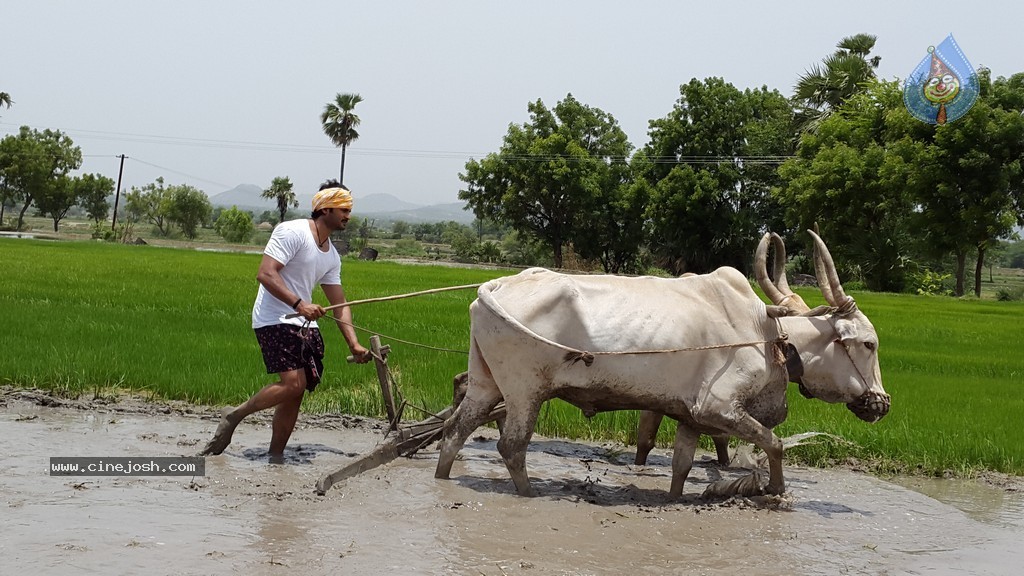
92	191
851	177
5	99
235	225
617	233
33	161
56	198
709	168
551	173
969	175
152	202
400	228
823	88
190	208
339	124
281	192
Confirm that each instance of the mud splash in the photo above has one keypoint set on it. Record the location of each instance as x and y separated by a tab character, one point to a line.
594	513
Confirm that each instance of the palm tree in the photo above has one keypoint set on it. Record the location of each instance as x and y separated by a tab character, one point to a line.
340	124
826	86
281	191
5	99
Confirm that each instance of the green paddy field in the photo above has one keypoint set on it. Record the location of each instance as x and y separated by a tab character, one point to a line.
94	318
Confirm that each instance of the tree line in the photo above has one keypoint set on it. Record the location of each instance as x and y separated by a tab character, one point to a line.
899	201
896	198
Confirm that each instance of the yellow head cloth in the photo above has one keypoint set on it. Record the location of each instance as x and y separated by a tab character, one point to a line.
332	198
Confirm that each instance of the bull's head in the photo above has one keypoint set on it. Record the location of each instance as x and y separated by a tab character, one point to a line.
838	346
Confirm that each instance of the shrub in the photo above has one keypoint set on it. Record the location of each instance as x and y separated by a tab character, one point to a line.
235	225
926	281
100	231
1010	294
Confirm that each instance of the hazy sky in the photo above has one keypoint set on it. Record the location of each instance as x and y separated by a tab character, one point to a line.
217	94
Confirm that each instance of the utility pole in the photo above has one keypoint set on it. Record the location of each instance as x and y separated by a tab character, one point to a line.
117	195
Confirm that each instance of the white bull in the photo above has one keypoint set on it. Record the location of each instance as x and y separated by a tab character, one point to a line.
778	290
703	350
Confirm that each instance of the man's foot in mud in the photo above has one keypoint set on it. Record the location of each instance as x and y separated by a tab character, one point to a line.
222	437
276	458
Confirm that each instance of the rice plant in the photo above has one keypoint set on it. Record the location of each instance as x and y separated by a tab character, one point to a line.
82	318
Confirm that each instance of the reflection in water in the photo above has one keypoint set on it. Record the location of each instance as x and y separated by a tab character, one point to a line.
988	504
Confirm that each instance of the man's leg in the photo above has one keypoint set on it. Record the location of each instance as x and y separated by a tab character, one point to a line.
286	413
288	390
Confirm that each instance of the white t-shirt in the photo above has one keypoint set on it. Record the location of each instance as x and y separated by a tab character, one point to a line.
305	266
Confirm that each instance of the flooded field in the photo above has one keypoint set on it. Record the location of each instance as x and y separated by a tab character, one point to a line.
595	513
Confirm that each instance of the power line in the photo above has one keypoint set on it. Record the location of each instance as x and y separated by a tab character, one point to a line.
194	177
401	152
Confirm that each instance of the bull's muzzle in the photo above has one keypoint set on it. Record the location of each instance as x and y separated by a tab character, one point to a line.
871	406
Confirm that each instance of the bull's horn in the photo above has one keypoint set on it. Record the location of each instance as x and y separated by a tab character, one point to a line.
822	276
793	300
780	264
828	278
761	272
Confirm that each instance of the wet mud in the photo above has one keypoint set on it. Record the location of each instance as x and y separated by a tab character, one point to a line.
595	512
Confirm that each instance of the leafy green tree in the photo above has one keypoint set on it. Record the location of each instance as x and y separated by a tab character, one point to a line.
190	209
339	124
280	191
235	225
152	203
463	241
851	177
968	175
823	88
551	173
6	197
55	199
429	232
31	162
400	228
521	249
709	170
92	191
617	232
268	216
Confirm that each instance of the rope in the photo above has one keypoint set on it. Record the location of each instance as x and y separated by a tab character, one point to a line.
416	344
395	297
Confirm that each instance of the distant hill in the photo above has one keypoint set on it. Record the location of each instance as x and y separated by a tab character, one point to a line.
374	203
382	207
245	196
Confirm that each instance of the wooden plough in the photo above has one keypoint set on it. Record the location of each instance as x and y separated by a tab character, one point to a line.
400	440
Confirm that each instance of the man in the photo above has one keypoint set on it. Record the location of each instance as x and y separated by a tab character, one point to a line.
298	256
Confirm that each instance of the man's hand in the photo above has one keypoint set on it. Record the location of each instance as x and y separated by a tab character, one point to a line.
310	311
360	355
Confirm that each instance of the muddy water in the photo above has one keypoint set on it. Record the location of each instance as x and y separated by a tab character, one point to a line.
595	514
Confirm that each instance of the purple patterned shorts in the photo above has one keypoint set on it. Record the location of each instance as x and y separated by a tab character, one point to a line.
286	347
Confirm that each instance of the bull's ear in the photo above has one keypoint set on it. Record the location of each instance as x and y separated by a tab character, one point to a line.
847	330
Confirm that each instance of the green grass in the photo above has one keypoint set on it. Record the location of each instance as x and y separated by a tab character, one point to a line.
81	317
